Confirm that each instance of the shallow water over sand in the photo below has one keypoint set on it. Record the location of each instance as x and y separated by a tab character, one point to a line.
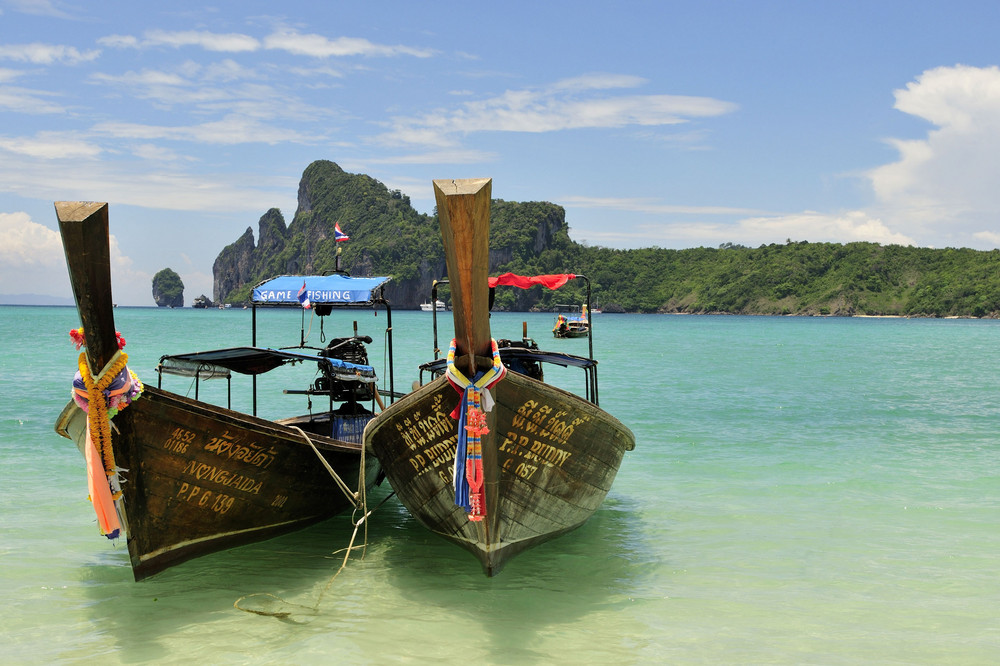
802	491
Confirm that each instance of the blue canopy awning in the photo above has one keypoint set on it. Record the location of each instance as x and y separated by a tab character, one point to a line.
284	290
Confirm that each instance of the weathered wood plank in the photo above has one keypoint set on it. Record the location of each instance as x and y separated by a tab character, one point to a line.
464	214
84	229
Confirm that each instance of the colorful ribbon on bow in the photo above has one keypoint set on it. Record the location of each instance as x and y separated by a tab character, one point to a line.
102	397
470	491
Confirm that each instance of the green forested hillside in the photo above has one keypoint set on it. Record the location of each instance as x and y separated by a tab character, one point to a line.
389	237
801	278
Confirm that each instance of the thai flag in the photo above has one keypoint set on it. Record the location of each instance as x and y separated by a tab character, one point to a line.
304	297
339	235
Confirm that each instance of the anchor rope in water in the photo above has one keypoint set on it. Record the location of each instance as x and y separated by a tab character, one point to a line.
470	491
284	615
360	500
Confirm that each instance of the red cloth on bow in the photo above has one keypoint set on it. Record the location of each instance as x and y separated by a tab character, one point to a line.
524	281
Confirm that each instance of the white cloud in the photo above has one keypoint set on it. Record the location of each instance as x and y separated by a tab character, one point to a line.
150	186
218	88
989	237
37	8
285	39
683	228
314	72
27	244
23	100
155	153
455	156
226	70
645	205
318	46
943	186
209	41
818	227
51	146
9	74
46	54
147	79
599	81
562	106
231	130
119	42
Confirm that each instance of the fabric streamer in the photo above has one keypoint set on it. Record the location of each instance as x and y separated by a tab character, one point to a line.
114	389
470	491
525	281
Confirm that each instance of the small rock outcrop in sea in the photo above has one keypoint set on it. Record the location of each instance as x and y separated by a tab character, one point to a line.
202	301
168	289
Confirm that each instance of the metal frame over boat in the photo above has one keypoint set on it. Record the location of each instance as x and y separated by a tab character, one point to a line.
197	478
537	462
569	324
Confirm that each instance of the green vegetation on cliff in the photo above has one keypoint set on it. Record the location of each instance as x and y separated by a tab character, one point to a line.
168	289
389	237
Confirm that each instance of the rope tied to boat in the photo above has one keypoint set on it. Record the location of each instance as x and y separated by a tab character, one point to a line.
102	397
355	498
470	491
273	606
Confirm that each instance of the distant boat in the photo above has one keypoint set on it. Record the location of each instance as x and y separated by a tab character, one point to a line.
438	305
188	477
527	461
572	325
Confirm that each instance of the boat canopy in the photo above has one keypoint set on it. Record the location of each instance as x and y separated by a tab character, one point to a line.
508	354
257	360
336	288
526	281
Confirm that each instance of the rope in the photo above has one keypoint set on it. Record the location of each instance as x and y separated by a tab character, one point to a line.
314	609
361	502
351	496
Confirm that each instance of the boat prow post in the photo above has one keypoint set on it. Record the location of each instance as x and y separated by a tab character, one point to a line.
464	214
83	226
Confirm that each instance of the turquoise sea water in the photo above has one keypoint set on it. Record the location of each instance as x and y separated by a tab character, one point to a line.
803	490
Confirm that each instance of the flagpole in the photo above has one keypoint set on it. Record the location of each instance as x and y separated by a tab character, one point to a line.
338	237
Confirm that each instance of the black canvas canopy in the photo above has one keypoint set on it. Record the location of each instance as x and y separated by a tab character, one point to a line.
255	361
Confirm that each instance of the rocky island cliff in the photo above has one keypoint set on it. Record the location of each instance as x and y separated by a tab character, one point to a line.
389	237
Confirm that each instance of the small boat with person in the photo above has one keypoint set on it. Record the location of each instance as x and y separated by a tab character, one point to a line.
571	325
178	476
487	454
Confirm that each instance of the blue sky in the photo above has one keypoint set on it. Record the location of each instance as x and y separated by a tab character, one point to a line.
670	124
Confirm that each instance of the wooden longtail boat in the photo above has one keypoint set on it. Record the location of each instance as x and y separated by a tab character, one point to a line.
572	325
196	478
546	458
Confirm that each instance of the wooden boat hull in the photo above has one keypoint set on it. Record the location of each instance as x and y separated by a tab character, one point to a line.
549	461
200	478
572	333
